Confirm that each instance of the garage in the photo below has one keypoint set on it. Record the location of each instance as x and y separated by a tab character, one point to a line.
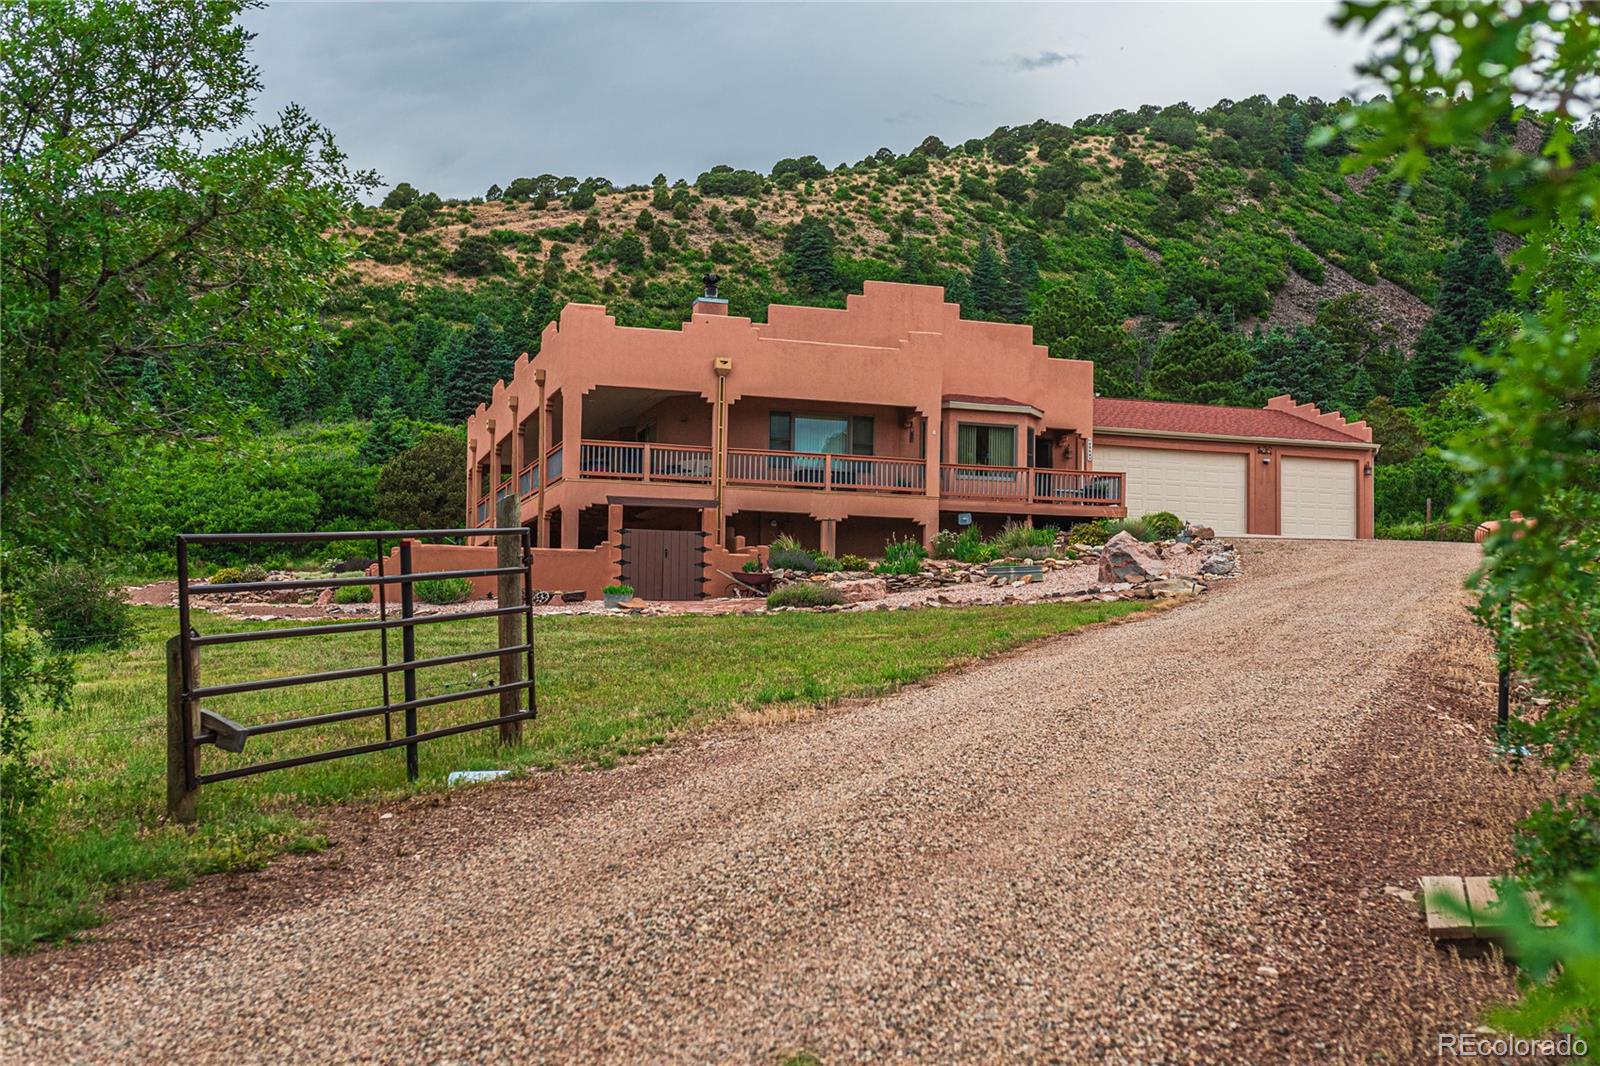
1319	497
1197	486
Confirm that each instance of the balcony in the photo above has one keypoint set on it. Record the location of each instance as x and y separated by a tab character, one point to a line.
805	470
629	461
1022	484
485	515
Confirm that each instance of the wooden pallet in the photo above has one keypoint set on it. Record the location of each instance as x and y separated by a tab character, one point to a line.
1484	918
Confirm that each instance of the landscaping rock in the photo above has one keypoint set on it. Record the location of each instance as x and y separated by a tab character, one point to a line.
862	589
1223	564
1126	558
1200	532
1174	586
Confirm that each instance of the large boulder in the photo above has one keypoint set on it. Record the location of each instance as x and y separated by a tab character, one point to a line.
862	589
1127	558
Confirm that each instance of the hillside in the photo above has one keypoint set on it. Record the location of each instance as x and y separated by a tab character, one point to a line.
1214	256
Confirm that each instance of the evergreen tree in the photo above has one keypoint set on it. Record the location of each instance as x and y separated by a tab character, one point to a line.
471	369
958	290
1076	324
1472	286
1135	174
1022	273
1200	362
387	436
809	247
1303	364
913	264
988	280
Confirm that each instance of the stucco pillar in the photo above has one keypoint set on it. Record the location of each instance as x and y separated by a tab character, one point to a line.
541	446
614	523
931	448
569	527
516	452
829	536
472	484
571	433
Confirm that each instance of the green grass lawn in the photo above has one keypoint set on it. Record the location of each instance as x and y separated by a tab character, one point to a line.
607	688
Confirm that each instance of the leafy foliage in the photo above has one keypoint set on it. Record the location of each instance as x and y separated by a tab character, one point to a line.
443	590
424	487
902	556
30	674
805	594
75	607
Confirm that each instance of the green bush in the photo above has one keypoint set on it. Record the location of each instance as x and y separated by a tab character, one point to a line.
970	547
233	575
1450	531
353	594
786	553
29	674
1014	536
75	607
1094	531
443	590
827	564
1163	525
805	594
902	557
850	561
617	590
752	566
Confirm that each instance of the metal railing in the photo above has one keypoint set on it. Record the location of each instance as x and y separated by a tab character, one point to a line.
644	461
191	726
871	473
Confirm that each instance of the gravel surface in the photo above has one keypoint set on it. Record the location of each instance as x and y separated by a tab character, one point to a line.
1078	851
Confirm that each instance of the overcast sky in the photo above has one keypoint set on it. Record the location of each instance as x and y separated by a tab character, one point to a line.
455	96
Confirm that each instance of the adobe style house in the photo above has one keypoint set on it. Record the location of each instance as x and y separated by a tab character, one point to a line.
894	417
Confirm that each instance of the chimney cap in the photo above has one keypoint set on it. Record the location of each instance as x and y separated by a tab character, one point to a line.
711	281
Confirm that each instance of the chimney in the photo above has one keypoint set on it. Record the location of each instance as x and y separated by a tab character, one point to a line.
710	303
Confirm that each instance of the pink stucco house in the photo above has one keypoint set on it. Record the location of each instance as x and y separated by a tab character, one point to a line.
893	417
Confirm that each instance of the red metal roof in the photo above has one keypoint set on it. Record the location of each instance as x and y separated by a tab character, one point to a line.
1203	419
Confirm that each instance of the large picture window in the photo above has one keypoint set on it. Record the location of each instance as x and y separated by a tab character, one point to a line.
820	434
983	445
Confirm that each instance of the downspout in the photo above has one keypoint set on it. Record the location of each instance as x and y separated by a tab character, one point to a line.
543	448
719	436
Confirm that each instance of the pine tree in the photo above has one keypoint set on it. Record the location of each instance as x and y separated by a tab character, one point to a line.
1135	174
471	369
958	290
1022	273
988	280
1075	324
809	246
1200	362
386	435
1472	286
913	266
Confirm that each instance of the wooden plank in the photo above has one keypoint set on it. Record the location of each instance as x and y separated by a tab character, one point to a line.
1454	923
508	553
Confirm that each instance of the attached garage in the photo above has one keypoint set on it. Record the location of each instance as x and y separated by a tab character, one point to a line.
1319	497
1204	487
1288	469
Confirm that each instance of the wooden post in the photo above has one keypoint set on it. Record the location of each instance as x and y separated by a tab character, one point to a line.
508	552
181	797
1427	519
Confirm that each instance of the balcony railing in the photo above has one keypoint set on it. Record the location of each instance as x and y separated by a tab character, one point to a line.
528	479
552	465
804	470
630	461
1089	488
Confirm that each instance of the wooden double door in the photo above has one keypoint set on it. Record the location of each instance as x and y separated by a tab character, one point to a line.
665	564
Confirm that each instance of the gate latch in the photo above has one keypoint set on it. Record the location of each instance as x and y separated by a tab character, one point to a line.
226	733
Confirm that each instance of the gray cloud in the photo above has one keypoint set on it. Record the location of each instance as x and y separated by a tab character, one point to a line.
455	96
1044	60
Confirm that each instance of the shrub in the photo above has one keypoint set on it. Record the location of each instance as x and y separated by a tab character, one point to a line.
805	594
970	547
1095	531
353	594
29	673
1163	525
902	557
827	564
477	256
786	553
75	607
443	590
944	544
233	575
1014	536
617	590
752	566
849	561
1425	531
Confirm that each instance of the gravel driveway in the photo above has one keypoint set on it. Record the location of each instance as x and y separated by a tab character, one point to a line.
1062	854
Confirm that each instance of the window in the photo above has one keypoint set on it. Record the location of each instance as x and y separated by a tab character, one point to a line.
819	434
980	445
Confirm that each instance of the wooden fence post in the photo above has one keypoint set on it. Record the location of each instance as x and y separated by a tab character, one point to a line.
180	713
508	553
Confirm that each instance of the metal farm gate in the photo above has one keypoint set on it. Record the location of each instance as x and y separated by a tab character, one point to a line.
665	564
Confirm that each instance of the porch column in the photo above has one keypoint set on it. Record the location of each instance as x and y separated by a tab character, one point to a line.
516	454
472	484
569	527
932	451
829	535
571	434
614	523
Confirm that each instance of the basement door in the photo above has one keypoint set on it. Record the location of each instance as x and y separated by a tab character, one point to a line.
664	564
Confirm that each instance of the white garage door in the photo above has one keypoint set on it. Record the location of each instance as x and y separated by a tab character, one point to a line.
1202	487
1319	497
